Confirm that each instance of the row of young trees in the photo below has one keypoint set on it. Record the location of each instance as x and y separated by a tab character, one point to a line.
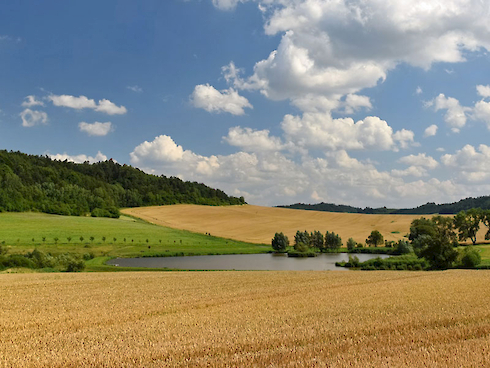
304	241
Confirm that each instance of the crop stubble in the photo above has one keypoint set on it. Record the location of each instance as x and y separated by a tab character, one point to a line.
246	319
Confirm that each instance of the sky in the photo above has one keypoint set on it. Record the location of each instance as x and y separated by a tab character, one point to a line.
360	102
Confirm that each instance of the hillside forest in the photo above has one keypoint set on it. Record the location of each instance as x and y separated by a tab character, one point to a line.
38	183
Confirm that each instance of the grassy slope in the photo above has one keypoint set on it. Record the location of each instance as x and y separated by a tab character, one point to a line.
18	230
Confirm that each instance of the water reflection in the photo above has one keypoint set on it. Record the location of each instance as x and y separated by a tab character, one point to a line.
256	262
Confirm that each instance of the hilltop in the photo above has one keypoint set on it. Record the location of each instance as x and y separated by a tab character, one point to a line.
38	183
425	209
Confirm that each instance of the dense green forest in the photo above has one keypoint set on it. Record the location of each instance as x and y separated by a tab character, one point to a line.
426	209
38	183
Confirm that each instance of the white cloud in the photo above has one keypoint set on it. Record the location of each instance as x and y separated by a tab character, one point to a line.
271	177
482	112
210	99
471	164
82	102
355	102
483	91
341	47
80	158
252	140
97	129
31	118
320	130
420	160
135	88
418	91
430	131
162	148
110	108
73	102
227	4
32	101
455	115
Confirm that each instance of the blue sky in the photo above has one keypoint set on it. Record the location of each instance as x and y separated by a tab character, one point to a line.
367	103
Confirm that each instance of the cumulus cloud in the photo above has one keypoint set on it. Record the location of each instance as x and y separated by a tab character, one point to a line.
418	165
430	131
252	140
31	118
482	112
341	47
320	130
97	129
210	99
472	165
32	101
421	160
79	158
455	115
82	102
483	91
273	177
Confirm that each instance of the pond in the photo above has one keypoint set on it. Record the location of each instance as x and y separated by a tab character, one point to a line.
252	262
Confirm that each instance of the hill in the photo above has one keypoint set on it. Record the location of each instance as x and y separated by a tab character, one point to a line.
426	209
256	224
38	183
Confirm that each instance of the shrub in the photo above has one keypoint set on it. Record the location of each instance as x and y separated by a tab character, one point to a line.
301	247
471	258
88	256
403	247
75	266
351	244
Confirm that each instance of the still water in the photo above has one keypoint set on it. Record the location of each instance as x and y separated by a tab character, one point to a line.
258	262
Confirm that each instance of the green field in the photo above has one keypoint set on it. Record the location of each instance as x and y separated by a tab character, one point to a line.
23	232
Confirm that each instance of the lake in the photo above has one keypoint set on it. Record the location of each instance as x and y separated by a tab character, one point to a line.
252	262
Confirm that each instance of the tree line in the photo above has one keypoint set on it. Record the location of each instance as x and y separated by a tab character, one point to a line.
433	241
38	183
425	209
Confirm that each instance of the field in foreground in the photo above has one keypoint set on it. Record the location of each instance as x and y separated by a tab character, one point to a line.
296	319
258	224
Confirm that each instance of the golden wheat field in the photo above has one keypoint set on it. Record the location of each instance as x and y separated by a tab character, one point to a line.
256	224
246	319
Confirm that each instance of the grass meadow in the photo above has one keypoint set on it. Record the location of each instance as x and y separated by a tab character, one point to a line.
246	319
23	232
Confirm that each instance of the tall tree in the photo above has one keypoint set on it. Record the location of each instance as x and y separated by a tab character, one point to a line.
375	239
280	242
434	240
468	223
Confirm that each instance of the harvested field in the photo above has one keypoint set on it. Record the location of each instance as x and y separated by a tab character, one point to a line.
273	319
258	224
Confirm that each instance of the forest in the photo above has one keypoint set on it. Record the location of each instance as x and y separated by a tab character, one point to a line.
425	209
38	183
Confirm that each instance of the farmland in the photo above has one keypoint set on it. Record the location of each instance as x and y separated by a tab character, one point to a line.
123	237
363	319
258	224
